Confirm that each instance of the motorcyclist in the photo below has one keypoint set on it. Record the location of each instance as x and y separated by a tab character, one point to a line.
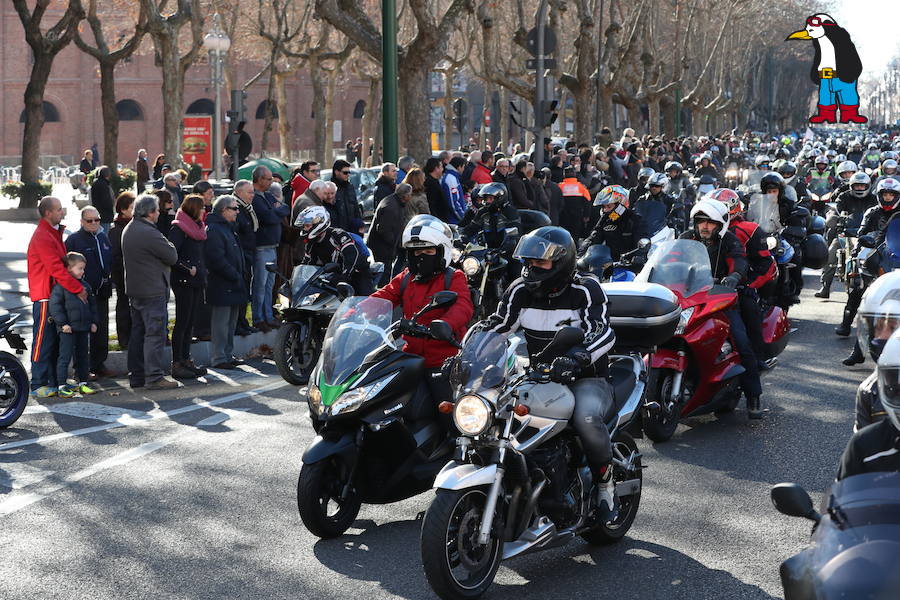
679	185
762	269
706	167
852	205
888	169
326	244
728	262
548	295
875	222
619	227
856	152
657	208
876	447
871	158
788	172
497	220
641	188
428	243
845	171
820	180
879	318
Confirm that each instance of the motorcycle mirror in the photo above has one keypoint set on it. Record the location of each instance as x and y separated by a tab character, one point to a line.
441	331
564	339
792	500
866	241
331	268
643	243
345	289
272	267
441	299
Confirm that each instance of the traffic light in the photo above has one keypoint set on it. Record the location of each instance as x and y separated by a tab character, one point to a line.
238	112
550	111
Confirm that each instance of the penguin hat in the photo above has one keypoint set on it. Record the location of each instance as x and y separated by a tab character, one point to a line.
835	69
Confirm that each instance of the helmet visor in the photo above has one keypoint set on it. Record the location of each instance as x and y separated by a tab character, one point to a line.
889	387
538	249
874	329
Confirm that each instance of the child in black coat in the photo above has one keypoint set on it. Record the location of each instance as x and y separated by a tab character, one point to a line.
75	321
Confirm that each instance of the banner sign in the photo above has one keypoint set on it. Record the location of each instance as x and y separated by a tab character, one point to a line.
196	144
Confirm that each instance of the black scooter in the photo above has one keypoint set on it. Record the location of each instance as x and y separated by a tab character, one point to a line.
378	439
13	377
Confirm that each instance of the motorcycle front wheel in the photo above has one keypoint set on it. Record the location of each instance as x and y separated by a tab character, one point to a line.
611	532
13	389
296	352
455	565
319	501
660	425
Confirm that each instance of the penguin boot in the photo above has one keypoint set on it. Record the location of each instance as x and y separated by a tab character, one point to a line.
850	114
826	114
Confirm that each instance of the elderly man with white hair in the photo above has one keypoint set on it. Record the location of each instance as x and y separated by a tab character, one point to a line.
319	193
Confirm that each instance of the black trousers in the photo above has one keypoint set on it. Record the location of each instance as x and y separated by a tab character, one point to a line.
752	316
99	341
123	317
187	309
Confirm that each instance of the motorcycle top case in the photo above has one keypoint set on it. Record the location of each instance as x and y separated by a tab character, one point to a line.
643	315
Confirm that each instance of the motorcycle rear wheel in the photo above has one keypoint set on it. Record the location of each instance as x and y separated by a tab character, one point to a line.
660	425
13	389
610	533
318	488
296	352
457	568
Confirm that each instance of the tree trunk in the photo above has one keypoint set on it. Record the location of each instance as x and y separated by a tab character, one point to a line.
284	123
606	110
448	109
370	120
503	121
110	116
34	122
416	110
329	115
584	114
653	115
270	98
485	110
173	98
318	102
668	114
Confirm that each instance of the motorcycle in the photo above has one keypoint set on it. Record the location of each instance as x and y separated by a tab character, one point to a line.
307	305
378	438
856	543
14	384
486	272
598	261
519	481
783	242
697	371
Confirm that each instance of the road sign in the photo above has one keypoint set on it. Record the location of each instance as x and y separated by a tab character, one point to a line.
531	63
549	41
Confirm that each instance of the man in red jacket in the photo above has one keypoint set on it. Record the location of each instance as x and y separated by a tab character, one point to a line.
46	265
428	242
309	172
482	173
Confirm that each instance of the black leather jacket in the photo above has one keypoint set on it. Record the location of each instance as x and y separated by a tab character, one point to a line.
493	223
875	221
620	235
868	406
857	207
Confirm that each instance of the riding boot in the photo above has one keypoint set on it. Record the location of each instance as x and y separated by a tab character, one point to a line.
844	328
824	291
856	356
754	407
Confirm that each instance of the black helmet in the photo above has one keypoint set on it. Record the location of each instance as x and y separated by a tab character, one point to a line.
547	243
770	180
787	169
497	191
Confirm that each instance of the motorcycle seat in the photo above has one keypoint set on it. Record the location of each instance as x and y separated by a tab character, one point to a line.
720	290
622	380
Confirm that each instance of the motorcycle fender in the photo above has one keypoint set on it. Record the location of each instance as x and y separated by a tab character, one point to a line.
321	448
665	358
458	476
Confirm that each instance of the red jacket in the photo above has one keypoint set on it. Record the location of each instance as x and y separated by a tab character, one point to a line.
46	263
762	264
482	174
299	184
418	295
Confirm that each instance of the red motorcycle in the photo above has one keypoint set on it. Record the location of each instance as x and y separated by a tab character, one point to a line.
698	370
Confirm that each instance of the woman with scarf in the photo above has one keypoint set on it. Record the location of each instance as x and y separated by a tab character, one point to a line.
188	282
124	208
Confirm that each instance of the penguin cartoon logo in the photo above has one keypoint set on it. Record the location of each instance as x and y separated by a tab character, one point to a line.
835	69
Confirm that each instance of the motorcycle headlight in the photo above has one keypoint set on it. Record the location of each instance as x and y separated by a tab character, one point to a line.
731	173
472	415
471	266
310	299
771	242
684	319
314	399
353	399
283	301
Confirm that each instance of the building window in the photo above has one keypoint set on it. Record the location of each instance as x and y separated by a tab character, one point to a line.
203	106
129	110
51	114
261	110
359	110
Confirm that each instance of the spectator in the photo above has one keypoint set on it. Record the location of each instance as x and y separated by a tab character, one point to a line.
418	202
501	171
75	321
102	197
309	172
554	195
158	163
605	137
172	184
148	257
576	210
87	162
166	212
451	186
346	206
520	192
435	196
93	244
444	156
387	225
188	282
481	174
46	255
246	226
548	152
538	194
313	196
349	154
124	209
469	168
141	170
226	286
403	166
269	213
207	193
386	183
160	181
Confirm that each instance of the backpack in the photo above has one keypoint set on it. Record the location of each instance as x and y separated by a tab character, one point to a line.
360	245
448	278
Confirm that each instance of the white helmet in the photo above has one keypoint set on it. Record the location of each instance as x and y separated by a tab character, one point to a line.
313	221
888	371
712	209
879	313
427	231
821	160
889	164
888	184
657	179
860	177
847	165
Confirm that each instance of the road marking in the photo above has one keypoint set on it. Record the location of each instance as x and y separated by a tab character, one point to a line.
92	410
152	415
18	475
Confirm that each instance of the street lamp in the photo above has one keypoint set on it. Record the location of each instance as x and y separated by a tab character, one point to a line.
216	42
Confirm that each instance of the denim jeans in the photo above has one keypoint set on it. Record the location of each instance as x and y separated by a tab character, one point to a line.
44	349
73	347
834	91
223	321
263	283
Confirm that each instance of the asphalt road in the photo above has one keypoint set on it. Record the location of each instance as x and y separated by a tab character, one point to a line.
174	498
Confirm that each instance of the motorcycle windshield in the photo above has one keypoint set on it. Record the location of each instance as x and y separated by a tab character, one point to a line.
359	327
482	362
861	521
763	210
680	265
819	186
300	278
653	212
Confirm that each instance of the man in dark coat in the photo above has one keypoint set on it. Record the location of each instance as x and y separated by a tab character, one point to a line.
554	195
345	203
520	192
245	228
386	182
102	198
387	226
226	287
437	205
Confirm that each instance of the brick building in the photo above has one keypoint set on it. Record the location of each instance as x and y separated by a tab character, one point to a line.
72	110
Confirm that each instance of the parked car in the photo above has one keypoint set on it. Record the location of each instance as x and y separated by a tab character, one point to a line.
364	182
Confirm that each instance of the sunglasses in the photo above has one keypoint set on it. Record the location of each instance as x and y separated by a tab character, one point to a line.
816	22
345	172
91	220
234	208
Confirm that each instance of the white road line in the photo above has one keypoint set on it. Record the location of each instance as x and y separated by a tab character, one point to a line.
152	416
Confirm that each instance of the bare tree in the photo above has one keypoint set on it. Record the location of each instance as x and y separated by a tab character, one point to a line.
108	59
45	45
